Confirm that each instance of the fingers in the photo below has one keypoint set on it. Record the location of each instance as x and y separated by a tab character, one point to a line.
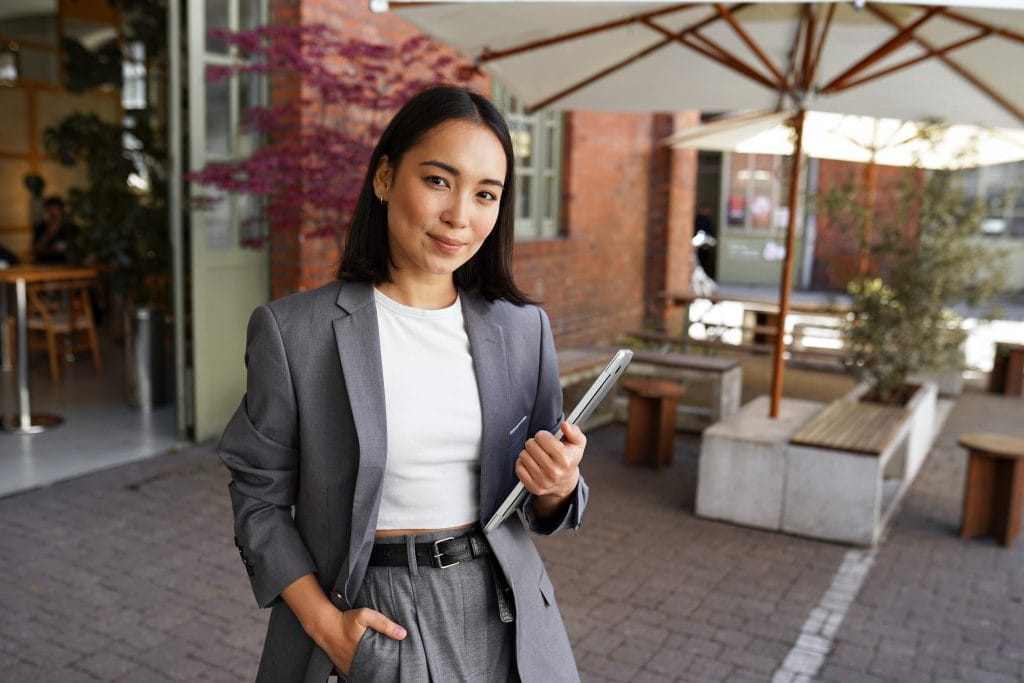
378	622
573	435
549	466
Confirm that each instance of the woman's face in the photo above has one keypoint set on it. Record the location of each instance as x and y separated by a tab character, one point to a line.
442	199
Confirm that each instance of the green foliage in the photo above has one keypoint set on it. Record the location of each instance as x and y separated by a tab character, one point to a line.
903	323
121	229
124	231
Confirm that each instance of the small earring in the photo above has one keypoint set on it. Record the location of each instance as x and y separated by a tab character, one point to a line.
382	202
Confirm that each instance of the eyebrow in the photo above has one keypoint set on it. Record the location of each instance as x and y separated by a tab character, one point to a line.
454	171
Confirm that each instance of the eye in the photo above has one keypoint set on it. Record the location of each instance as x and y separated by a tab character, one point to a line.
437	180
488	195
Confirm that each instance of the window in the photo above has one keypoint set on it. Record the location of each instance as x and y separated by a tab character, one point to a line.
228	97
1001	187
537	143
756	187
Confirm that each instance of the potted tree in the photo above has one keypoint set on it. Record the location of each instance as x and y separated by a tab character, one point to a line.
902	323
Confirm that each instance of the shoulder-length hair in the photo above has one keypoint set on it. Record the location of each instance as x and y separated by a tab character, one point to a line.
367	257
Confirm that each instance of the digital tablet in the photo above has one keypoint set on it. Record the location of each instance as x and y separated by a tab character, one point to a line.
595	394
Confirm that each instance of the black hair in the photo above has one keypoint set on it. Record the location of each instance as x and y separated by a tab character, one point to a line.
53	200
367	257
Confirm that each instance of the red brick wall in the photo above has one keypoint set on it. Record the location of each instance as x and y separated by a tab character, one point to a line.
837	248
682	206
592	280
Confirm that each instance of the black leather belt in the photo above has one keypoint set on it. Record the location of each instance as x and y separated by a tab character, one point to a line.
440	554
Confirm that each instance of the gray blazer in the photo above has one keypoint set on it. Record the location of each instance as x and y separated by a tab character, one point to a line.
309	436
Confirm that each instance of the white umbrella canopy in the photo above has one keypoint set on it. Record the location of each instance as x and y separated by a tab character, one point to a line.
862	139
910	60
914	61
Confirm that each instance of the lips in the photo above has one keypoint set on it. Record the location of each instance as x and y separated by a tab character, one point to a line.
446	244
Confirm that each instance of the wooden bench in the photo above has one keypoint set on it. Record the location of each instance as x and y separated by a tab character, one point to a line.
577	368
666	341
723	376
856	426
581	364
994	486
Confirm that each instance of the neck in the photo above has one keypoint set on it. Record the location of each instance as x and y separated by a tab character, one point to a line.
434	294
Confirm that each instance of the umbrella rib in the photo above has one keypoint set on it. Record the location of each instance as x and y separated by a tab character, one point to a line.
726	14
904	36
711	51
970	21
719	54
597	76
964	73
929	53
808	78
490	55
809	27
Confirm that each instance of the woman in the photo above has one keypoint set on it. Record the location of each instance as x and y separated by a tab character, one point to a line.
390	409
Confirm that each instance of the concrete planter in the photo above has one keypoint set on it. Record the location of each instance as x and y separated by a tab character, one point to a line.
742	472
751	474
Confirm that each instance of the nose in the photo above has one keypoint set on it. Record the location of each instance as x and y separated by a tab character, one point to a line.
456	213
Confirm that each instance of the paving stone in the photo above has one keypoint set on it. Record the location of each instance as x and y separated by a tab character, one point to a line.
670	662
836	673
74	676
132	571
107	666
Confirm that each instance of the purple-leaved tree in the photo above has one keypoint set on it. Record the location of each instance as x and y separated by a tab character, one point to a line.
310	166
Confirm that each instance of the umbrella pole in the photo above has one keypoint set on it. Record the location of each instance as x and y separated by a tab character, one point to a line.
870	181
787	264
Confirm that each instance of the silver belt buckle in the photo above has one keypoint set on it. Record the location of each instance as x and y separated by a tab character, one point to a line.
438	553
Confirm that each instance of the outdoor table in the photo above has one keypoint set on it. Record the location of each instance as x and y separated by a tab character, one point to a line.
25	422
764	310
1007	376
994	486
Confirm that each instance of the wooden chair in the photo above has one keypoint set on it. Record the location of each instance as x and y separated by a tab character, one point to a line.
60	320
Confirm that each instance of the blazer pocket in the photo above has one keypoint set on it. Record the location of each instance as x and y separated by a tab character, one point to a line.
517	436
519	425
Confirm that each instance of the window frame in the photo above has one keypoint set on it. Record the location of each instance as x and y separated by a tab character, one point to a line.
544	133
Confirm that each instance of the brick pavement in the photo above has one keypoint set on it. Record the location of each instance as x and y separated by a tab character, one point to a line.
130	575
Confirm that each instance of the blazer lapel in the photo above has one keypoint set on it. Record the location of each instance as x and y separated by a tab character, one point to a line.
359	350
487	344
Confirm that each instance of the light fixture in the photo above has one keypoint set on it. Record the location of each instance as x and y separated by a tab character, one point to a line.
9	64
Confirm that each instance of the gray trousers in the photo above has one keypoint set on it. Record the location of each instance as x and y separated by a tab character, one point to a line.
451	615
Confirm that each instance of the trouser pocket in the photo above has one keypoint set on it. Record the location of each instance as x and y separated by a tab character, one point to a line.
376	659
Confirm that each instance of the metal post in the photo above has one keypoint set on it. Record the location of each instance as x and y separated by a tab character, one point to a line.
174	208
25	422
5	341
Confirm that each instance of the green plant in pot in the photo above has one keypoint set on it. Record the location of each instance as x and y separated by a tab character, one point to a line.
123	230
929	258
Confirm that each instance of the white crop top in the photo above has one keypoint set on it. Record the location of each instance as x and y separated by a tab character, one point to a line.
434	420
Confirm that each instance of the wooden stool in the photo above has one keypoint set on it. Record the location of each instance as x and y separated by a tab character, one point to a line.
1007	376
651	426
994	486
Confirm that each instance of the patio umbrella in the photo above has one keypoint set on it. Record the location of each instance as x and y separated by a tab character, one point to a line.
862	139
911	60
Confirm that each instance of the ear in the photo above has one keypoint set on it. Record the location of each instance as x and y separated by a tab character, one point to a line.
382	178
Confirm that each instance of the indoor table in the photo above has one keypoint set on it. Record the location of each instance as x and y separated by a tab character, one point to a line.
25	422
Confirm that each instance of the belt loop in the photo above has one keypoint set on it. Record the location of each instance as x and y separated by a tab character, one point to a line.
410	551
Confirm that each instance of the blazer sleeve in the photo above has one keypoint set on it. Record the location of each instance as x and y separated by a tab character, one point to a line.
260	449
547	414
